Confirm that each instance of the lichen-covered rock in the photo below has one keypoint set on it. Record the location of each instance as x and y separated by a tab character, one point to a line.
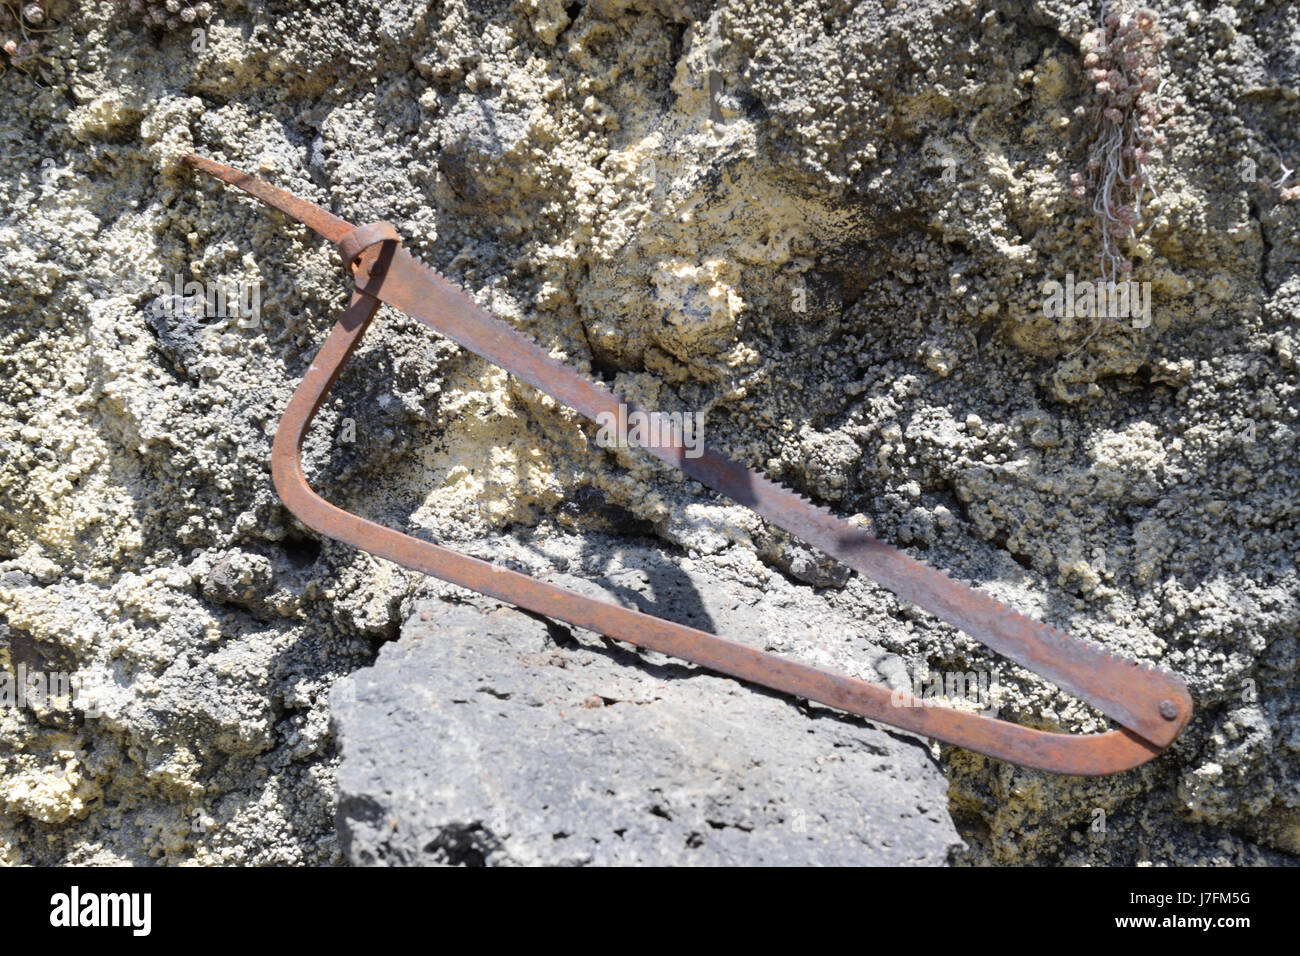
824	225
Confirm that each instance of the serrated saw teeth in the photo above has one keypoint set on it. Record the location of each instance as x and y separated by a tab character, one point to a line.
1152	706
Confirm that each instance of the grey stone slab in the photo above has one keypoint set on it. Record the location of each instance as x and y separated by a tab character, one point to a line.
488	736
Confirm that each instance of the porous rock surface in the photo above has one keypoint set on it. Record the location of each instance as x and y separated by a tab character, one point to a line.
825	225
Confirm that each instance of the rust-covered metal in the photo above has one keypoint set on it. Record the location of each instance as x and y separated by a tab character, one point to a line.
1151	706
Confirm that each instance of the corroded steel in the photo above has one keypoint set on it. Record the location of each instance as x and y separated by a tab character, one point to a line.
1151	706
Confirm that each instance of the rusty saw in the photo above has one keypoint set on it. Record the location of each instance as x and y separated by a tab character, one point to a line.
1151	706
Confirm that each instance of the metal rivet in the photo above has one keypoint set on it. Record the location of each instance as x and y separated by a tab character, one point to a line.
1168	709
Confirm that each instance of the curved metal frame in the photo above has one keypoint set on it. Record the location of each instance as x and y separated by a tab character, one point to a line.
1083	755
1151	706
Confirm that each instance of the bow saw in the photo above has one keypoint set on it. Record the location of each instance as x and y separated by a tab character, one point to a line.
1150	705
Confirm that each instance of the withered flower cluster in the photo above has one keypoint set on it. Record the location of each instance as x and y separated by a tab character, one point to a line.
1121	57
20	26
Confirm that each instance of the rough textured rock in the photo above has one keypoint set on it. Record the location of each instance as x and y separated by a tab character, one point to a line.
650	189
489	736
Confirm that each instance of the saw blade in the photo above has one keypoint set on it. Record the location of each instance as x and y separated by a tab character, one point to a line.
1150	702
